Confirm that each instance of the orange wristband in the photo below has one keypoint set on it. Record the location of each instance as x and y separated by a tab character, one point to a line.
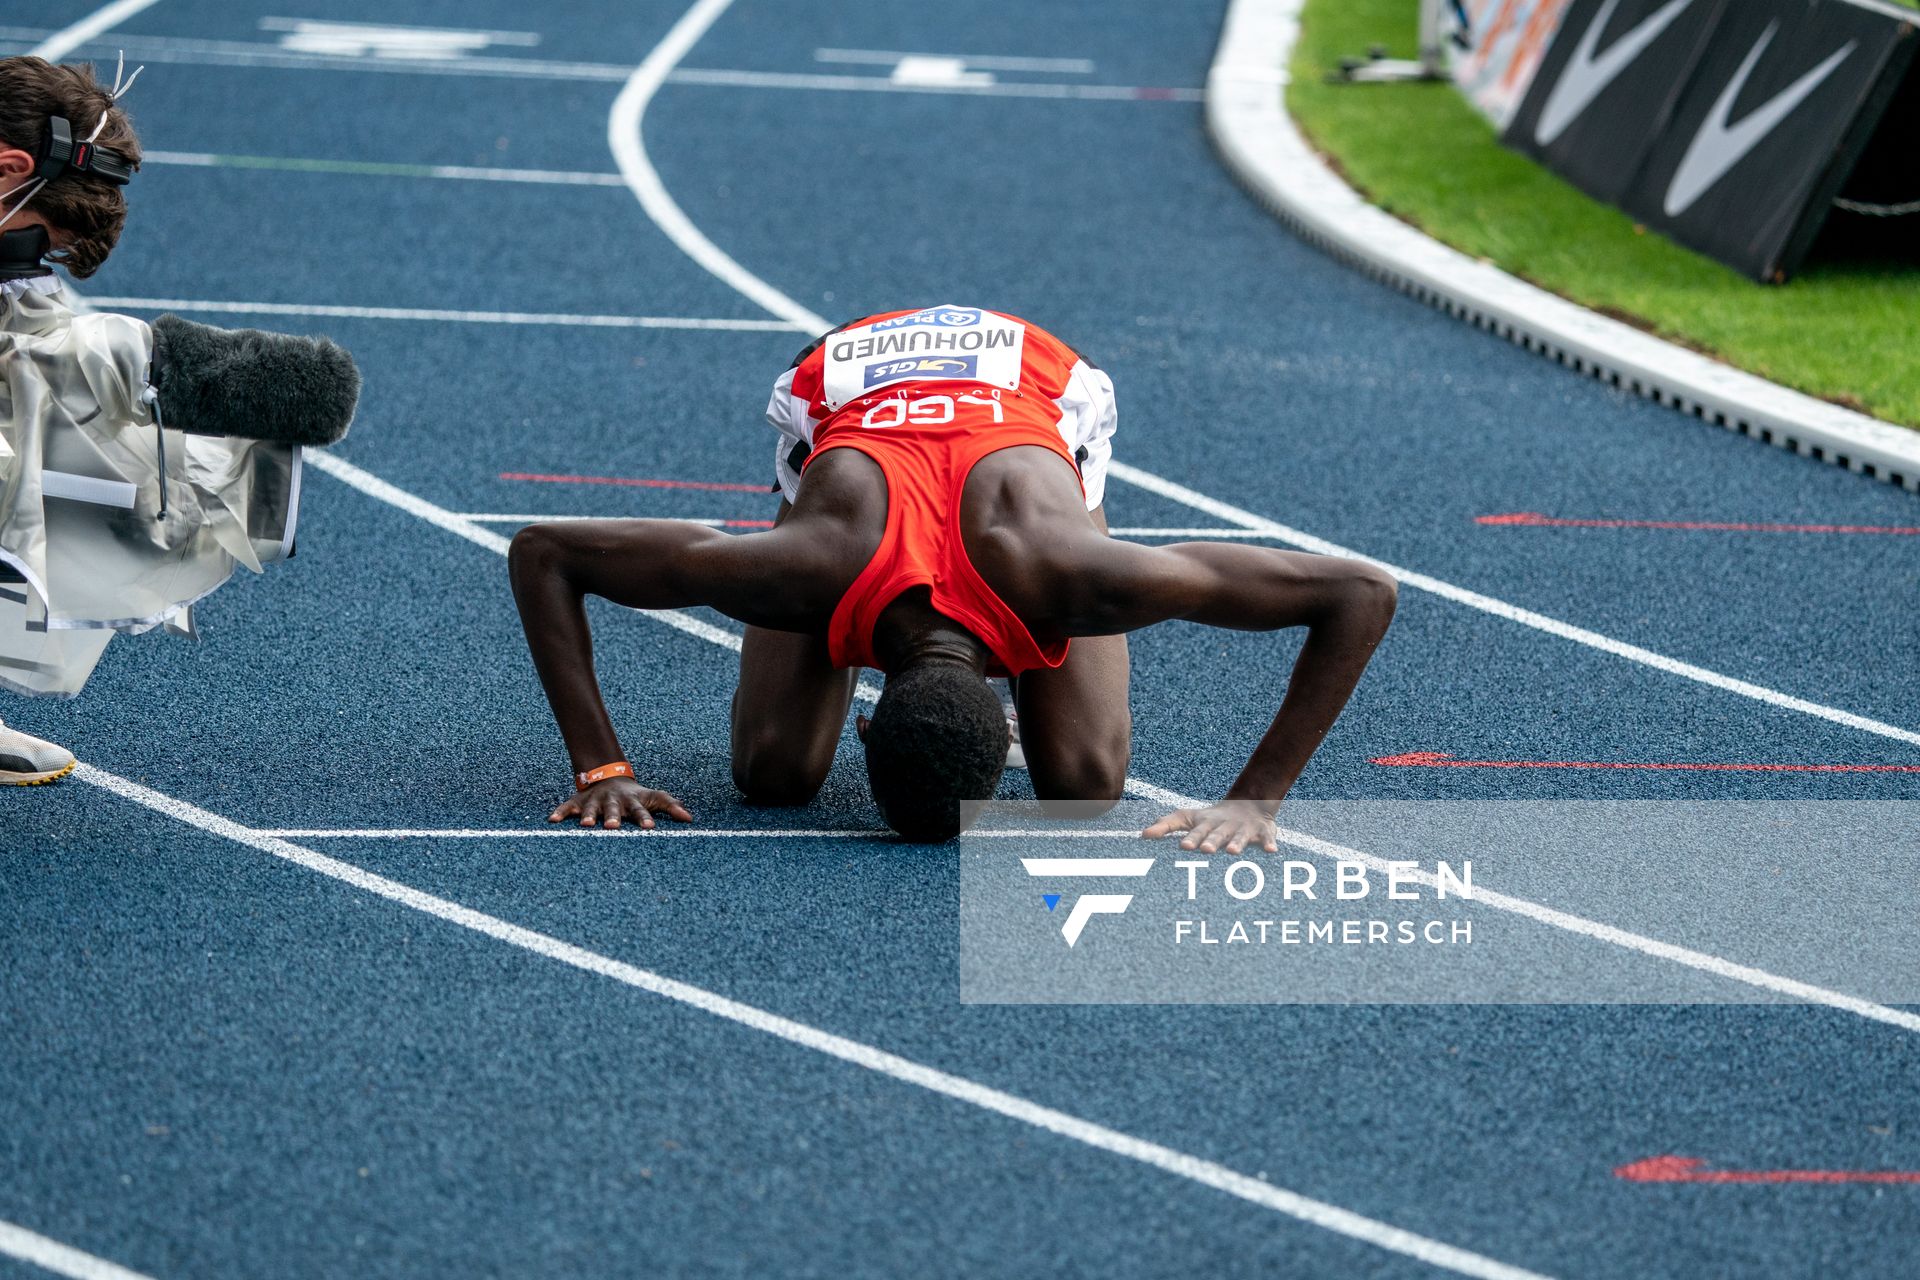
618	769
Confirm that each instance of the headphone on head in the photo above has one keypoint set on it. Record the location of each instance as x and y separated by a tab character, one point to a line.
61	153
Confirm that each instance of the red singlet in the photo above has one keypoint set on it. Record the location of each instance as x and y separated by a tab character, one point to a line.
926	395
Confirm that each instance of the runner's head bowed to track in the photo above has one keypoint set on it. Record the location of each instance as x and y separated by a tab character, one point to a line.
937	740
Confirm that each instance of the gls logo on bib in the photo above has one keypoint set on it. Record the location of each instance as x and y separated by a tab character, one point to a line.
926	367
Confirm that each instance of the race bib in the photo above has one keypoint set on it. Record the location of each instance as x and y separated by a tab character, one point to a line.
938	343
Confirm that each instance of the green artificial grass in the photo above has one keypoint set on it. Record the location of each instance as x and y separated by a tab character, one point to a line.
1842	330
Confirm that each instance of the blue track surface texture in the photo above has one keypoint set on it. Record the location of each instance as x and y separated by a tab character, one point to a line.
216	1063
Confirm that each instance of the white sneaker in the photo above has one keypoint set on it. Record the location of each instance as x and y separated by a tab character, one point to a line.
26	761
1016	754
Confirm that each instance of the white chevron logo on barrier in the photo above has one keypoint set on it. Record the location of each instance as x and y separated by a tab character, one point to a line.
1586	75
1088	905
1719	146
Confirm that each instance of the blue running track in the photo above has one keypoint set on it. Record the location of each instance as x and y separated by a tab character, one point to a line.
215	1062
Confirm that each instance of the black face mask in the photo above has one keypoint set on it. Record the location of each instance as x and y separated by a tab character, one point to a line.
23	253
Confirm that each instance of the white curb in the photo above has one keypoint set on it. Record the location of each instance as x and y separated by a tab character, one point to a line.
1248	121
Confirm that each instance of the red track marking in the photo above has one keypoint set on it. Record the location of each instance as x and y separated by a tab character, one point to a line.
629	482
1441	760
1534	520
1689	1169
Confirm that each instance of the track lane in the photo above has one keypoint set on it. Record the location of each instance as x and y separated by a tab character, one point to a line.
1038	1070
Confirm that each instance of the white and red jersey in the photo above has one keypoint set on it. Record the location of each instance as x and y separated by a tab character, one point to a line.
942	366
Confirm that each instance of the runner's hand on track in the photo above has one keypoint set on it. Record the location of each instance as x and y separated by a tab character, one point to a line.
1229	827
615	800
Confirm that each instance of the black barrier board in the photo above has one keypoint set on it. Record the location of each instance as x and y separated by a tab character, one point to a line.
1607	87
1727	124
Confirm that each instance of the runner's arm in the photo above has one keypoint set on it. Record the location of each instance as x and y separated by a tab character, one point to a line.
643	564
1345	606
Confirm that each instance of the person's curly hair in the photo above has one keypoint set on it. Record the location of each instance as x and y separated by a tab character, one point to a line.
84	212
938	738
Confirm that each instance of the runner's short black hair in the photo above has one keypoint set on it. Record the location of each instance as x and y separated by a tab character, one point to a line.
938	737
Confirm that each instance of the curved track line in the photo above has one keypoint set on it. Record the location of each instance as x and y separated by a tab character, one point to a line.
1315	1212
623	135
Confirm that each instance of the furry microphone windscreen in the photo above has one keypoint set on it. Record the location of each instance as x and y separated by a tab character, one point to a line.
252	384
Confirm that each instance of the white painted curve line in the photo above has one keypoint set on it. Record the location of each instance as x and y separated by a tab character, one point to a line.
98	23
623	134
61	1259
630	153
1501	609
1205	1172
324	311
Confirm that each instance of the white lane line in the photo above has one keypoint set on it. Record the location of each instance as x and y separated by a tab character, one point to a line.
565	829
495	517
458	172
695	833
1178	1163
213	307
98	23
382	35
875	84
61	1259
233	53
623	133
1155	532
984	61
193	51
508	517
1512	613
